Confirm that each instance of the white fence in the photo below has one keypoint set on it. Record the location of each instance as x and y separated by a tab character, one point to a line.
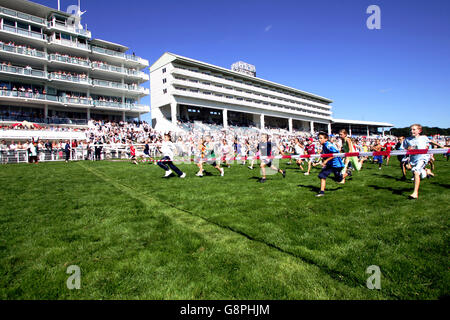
79	153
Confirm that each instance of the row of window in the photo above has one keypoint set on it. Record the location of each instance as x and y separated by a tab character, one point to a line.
248	100
218	85
301	96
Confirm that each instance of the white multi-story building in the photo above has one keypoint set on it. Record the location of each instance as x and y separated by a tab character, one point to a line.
52	71
186	89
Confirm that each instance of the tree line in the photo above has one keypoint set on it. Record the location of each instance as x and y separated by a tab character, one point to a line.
429	131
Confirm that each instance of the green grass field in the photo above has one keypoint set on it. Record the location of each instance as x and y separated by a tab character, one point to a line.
135	235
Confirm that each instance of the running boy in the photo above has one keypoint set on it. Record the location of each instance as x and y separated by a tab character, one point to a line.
418	161
167	149
265	148
329	165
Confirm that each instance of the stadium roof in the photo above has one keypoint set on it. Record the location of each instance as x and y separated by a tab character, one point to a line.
32	8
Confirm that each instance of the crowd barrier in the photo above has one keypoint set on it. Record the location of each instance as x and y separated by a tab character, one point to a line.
80	153
108	152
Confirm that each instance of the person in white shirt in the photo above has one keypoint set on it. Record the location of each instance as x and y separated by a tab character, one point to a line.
167	149
32	152
418	161
299	150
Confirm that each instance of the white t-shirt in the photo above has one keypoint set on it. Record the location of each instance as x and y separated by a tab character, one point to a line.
299	150
167	149
420	142
33	151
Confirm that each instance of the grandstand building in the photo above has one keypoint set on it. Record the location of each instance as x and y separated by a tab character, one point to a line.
184	89
53	72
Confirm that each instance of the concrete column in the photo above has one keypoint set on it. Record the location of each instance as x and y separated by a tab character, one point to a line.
139	117
261	121
329	128
123	115
368	132
311	126
173	112
225	118
349	129
88	115
383	132
290	125
45	111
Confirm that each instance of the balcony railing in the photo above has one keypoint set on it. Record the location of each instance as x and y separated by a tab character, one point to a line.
69	43
137	88
119	55
21	15
23	71
24	32
22	50
108	52
120	105
109	84
83	101
138	74
70	78
72	29
71	60
107	67
72	100
27	95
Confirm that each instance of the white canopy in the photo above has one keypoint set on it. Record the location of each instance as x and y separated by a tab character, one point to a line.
41	134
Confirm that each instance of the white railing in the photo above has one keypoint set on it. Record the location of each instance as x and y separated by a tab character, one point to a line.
69	78
23	71
22	16
79	153
72	29
22	51
69	59
69	43
23	32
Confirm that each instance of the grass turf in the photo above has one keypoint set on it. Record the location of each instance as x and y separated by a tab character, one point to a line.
137	236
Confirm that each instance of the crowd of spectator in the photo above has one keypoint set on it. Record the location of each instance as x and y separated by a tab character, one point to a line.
188	136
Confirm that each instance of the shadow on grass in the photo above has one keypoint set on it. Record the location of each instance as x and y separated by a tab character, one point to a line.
443	185
394	191
395	178
316	189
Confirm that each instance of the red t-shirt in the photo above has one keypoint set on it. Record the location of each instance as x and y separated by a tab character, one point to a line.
311	149
388	145
132	150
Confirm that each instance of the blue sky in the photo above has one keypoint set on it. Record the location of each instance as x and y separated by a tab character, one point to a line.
398	74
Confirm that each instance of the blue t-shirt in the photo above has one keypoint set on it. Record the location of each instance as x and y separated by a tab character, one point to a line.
336	162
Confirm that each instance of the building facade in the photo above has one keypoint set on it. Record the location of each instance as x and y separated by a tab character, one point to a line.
52	71
186	89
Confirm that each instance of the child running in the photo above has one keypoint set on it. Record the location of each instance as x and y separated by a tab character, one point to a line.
418	161
132	153
330	165
265	148
377	148
167	149
347	146
208	151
